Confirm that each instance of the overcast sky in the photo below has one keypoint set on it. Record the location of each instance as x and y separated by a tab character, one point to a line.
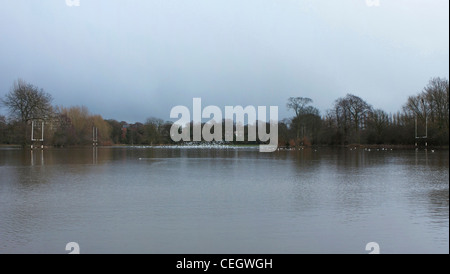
129	60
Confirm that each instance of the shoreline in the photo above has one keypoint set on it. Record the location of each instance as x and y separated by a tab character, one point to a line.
213	146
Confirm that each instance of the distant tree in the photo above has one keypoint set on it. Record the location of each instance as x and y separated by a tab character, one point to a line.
155	121
165	133
351	113
82	124
431	108
26	102
416	107
116	130
103	129
3	129
65	132
378	123
124	128
15	132
330	133
306	121
298	105
283	133
152	130
136	134
79	118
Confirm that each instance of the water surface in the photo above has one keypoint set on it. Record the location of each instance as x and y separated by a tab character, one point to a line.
237	200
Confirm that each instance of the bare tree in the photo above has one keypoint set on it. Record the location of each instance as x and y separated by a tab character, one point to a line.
298	105
3	129
431	108
152	130
305	120
432	102
378	122
436	94
155	121
26	102
416	107
351	112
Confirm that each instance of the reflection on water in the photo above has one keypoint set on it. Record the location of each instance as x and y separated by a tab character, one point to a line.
161	200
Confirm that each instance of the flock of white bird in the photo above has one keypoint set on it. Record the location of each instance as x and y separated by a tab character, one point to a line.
227	146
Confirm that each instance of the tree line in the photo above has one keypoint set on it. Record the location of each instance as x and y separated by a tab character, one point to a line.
68	126
351	120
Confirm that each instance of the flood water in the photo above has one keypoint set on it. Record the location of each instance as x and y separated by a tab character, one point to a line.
167	200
